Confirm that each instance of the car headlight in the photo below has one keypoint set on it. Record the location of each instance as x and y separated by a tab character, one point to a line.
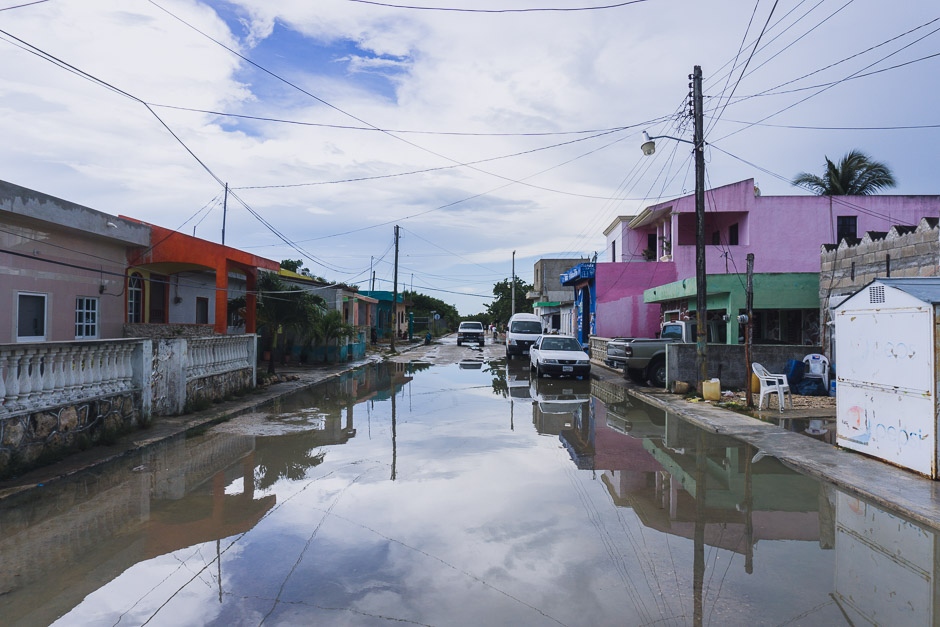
550	361
512	341
583	362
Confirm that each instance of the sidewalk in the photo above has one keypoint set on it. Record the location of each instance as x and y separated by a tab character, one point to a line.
166	427
886	486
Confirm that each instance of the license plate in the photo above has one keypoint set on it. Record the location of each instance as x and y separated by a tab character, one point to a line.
567	368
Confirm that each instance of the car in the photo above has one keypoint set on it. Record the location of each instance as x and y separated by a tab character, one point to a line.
559	355
521	333
471	332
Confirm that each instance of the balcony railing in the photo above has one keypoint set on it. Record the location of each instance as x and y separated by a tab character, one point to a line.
34	377
219	354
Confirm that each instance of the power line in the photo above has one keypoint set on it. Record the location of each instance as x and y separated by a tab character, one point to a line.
445	167
856	73
526	10
772	91
385	130
751	56
20	6
738	53
837	128
354	117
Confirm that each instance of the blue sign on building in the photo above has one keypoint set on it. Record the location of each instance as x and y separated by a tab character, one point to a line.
580	271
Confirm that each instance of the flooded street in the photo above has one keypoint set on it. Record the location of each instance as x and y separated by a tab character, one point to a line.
457	494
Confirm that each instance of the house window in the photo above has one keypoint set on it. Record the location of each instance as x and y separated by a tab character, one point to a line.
846	226
202	310
613	251
30	317
651	244
733	234
135	298
86	318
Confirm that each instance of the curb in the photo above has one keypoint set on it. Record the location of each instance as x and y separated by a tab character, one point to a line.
888	487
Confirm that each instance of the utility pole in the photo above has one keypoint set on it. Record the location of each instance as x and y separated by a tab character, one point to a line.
224	212
395	294
513	283
701	303
373	280
372	270
749	326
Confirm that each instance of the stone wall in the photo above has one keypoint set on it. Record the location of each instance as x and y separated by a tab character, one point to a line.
913	252
201	392
726	361
29	440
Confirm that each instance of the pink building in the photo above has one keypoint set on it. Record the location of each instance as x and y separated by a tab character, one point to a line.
656	249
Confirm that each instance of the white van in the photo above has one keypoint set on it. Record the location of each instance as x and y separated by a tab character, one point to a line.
521	332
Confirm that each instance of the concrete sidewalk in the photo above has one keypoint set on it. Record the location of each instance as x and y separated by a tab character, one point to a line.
884	485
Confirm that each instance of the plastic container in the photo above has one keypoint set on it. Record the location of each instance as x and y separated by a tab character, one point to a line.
832	387
711	390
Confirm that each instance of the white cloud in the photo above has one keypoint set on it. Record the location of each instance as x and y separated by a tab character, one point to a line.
533	72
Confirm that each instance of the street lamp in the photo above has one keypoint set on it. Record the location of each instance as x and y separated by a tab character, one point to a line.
649	147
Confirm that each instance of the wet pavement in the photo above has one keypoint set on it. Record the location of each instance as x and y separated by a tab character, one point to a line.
458	490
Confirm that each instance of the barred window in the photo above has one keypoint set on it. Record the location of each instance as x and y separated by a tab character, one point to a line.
86	318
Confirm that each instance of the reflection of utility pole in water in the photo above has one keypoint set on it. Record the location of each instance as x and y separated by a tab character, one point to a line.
749	507
394	435
698	573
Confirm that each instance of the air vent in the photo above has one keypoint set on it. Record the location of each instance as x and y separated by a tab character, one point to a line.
876	294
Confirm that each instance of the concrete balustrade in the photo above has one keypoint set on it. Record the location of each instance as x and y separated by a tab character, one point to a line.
34	377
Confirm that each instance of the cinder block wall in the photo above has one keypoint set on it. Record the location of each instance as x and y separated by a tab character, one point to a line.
726	361
849	268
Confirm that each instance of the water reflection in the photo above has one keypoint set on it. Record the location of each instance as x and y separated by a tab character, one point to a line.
399	493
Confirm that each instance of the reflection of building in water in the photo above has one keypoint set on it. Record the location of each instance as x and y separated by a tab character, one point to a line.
886	567
85	531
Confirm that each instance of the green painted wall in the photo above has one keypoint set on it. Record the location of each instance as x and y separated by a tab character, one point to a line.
783	290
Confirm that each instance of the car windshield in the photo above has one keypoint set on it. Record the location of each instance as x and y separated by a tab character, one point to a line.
526	326
471	326
560	344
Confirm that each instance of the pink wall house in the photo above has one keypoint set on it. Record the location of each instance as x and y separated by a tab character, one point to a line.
61	268
785	233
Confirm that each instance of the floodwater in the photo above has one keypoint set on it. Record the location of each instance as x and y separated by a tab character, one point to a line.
465	494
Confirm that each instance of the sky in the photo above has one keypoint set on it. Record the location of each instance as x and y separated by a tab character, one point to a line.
525	126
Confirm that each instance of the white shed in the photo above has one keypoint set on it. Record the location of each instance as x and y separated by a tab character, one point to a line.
887	344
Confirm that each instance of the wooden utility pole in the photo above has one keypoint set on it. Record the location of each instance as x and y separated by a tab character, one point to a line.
749	326
701	301
224	212
395	294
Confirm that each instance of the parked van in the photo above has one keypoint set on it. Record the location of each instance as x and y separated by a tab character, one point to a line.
521	332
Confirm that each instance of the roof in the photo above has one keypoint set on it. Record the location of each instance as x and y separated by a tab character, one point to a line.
617	221
926	289
177	251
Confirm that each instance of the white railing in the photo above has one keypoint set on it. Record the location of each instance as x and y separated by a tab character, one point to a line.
219	354
37	376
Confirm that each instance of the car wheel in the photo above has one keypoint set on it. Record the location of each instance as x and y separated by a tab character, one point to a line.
636	375
508	356
458	343
657	373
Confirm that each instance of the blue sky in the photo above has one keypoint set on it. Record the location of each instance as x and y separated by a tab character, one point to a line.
438	71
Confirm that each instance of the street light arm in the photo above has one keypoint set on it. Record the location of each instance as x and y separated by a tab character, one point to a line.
678	139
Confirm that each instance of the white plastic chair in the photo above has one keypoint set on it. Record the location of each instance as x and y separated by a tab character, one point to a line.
817	367
770	384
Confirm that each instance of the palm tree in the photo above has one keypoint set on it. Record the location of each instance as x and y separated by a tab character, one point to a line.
856	175
281	309
331	326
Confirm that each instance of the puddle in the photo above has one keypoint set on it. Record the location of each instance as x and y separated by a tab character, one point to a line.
469	494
